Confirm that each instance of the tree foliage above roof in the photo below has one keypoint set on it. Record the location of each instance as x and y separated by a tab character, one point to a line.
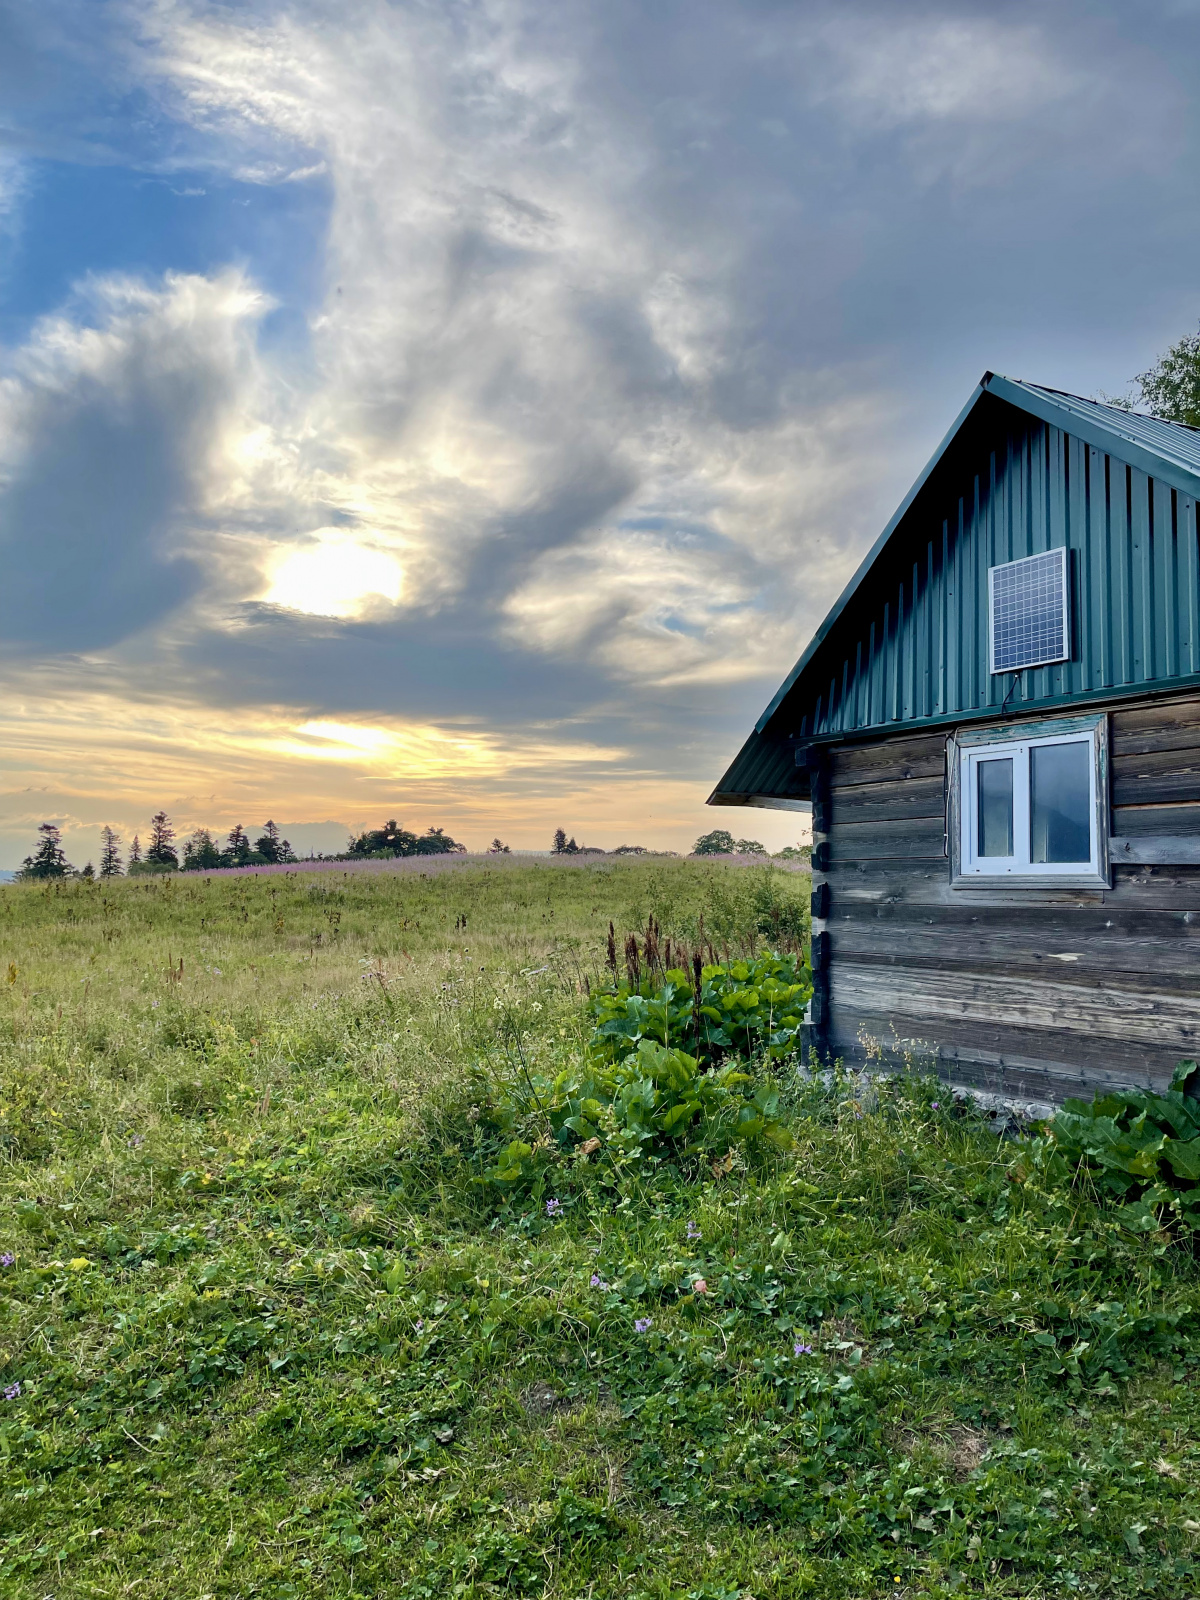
1170	389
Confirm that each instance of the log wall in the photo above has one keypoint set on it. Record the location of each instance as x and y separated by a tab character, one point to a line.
1040	993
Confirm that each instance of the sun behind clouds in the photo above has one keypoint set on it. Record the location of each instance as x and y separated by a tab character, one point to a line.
336	576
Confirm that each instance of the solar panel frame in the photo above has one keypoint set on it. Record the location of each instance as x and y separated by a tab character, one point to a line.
1028	615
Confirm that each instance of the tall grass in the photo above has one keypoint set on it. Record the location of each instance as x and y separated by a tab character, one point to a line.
267	1333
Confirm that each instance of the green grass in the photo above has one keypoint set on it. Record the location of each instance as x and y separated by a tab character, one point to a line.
276	1337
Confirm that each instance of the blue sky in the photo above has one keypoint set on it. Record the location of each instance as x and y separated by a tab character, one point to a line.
466	412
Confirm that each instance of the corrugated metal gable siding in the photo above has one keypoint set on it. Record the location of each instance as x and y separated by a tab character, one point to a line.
763	767
913	645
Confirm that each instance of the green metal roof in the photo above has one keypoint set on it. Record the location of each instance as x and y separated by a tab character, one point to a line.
1023	468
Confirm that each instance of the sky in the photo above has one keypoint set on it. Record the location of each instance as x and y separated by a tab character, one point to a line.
465	412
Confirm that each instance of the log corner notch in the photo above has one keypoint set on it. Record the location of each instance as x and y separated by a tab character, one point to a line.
813	760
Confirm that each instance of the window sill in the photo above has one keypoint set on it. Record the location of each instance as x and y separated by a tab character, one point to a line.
1049	881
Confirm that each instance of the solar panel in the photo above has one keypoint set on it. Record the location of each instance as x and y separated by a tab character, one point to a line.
1029	611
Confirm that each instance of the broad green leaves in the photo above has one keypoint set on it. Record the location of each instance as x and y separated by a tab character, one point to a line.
1137	1146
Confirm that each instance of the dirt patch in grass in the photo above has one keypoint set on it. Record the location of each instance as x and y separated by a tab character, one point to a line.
543	1400
958	1446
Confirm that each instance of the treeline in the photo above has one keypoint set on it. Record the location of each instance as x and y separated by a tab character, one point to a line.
392	840
202	851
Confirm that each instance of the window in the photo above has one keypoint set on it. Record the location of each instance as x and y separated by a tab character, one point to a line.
1031	810
1027	605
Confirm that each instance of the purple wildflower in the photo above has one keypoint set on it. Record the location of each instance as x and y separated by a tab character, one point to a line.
419	1325
7	1260
598	1282
799	1349
13	1391
553	1207
937	1105
642	1325
693	1232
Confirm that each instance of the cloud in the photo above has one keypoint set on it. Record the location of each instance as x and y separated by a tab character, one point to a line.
902	69
630	327
114	422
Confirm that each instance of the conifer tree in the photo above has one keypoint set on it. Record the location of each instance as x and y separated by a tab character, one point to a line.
49	860
200	852
160	849
135	852
237	846
110	853
268	844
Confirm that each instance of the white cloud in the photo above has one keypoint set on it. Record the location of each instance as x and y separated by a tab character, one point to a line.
899	69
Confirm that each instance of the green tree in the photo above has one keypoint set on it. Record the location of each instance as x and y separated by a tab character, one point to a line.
49	860
110	853
237	847
393	840
269	844
135	852
87	870
496	848
719	842
1171	387
160	850
201	853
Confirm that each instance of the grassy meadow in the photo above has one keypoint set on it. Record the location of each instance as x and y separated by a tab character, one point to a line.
269	1326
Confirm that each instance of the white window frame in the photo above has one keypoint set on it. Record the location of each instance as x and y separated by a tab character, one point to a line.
966	749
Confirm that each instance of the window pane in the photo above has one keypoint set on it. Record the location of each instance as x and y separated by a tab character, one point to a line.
995	779
1060	807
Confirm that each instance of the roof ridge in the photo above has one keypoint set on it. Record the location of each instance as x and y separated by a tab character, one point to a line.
1103	405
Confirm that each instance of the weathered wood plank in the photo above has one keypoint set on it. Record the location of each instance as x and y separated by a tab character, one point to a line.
1160	778
868	841
1165	851
1141	730
1170	822
886	802
1039	921
1041	1064
889	761
927	882
1089	959
924	1000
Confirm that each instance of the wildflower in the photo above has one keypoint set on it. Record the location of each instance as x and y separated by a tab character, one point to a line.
553	1207
937	1105
497	1004
13	1392
154	1005
136	1139
7	1259
216	972
419	1325
598	1282
693	1232
642	1325
799	1349
700	1286
536	1006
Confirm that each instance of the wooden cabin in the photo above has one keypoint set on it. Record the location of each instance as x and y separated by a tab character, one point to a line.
997	729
